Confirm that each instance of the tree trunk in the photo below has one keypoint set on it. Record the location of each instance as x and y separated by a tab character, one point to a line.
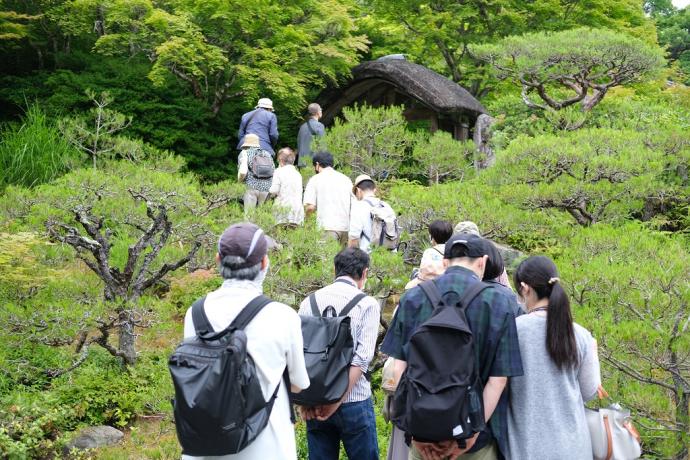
127	338
683	419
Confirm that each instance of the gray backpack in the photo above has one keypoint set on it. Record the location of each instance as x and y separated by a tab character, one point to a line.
261	165
384	226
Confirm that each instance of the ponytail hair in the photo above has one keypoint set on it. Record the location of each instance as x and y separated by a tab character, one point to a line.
540	273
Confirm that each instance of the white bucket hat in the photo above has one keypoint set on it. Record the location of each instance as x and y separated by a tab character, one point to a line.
264	103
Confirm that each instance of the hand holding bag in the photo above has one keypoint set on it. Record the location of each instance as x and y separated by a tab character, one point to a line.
612	433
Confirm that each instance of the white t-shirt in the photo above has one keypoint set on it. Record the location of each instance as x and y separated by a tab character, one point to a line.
274	340
287	186
331	193
360	221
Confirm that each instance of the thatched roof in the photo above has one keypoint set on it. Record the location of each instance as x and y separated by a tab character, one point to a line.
428	87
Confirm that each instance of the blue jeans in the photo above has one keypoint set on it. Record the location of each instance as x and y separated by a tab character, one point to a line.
353	423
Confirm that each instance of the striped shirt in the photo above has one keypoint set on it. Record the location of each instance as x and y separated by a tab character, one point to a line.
364	325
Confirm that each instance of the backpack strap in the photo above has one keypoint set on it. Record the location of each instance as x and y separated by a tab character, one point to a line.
314	306
202	325
311	130
472	292
288	387
249	312
352	304
432	293
251	117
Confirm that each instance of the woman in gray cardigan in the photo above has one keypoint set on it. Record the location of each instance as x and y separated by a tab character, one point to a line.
546	419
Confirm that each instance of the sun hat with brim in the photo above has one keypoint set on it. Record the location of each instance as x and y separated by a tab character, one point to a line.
244	240
361	178
251	140
264	103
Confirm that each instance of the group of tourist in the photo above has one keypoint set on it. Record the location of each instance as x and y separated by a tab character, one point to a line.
534	365
342	207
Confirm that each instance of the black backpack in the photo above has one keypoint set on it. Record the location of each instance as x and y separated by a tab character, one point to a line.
439	396
219	406
328	351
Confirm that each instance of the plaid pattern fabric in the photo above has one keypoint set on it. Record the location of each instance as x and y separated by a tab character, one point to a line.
491	317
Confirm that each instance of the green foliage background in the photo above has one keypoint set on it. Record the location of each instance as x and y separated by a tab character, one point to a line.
609	202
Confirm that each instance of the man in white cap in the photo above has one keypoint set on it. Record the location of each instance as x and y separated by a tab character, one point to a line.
359	235
262	122
274	336
363	233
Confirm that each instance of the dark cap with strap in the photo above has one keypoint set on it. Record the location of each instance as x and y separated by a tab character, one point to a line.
244	240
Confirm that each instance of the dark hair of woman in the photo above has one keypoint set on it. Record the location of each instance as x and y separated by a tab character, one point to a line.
440	231
540	273
494	265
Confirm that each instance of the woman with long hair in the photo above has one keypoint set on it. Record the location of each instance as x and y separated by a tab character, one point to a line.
546	419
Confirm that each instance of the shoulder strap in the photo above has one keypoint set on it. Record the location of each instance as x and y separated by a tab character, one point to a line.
373	205
249	312
432	293
472	292
352	304
201	323
314	307
251	117
311	130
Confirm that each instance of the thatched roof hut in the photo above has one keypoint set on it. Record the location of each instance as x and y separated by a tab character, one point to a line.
429	98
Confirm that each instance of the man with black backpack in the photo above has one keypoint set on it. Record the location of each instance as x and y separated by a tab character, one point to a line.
459	341
350	417
240	351
255	169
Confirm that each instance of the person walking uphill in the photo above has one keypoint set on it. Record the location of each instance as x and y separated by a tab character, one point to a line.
256	169
546	418
329	194
350	420
273	337
262	122
307	131
287	189
490	318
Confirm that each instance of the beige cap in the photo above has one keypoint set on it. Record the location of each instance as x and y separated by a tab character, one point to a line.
251	140
467	226
361	178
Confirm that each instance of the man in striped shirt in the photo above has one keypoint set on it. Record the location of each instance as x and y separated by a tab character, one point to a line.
350	420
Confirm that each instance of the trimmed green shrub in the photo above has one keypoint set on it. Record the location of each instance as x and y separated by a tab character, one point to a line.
631	288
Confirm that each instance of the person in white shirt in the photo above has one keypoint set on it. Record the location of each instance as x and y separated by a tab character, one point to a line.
329	194
359	235
287	190
274	336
